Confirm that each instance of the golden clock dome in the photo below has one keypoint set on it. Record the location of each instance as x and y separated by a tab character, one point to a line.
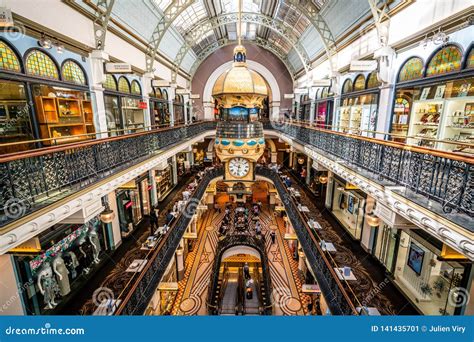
239	80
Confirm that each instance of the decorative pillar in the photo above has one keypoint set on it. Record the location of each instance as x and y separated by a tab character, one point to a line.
187	108
273	157
384	115
208	110
312	111
147	90
171	95
152	181
274	110
175	169
329	190
180	260
309	163
301	261
98	58
116	231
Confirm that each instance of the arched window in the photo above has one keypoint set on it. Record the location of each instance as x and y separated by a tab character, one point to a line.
39	64
359	83
446	60
110	82
123	85
317	95
136	89
158	94
347	86
325	92
165	94
470	59
9	60
73	73
412	69
372	81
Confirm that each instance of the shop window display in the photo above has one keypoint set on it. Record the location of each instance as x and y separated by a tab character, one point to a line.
424	276
401	115
358	115
178	109
9	60
112	113
73	73
133	114
64	115
160	109
446	60
129	207
69	255
39	64
15	124
348	207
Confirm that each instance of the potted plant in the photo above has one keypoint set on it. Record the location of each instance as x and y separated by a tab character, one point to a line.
426	289
439	286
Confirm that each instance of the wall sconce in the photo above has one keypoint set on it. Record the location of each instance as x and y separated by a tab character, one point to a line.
323	179
108	215
45	42
372	220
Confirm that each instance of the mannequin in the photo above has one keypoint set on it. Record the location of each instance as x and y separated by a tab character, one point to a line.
59	268
85	250
48	286
94	239
72	263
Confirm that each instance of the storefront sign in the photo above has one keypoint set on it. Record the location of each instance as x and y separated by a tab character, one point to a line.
182	91
118	68
289	96
310	288
195	96
160	83
321	83
369	65
142	105
6	19
31	246
301	91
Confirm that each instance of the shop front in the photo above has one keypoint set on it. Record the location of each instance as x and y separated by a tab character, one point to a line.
179	109
305	108
357	112
430	274
323	108
55	265
347	206
133	203
124	107
164	179
434	101
42	99
159	107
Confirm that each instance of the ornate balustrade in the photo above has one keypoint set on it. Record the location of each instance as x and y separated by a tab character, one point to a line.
140	289
442	177
31	180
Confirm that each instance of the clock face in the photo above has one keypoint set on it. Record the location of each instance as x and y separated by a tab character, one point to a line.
239	167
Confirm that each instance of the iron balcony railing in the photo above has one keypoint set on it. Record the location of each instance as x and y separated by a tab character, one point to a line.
234	130
338	294
441	177
140	288
34	179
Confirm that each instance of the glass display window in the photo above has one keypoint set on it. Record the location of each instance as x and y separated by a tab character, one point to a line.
15	123
133	114
129	207
358	115
64	115
401	114
424	277
112	115
386	245
164	182
145	195
348	208
69	256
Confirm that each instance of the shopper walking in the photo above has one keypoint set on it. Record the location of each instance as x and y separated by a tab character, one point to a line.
273	236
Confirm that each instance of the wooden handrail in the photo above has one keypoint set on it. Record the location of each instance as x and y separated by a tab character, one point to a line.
59	148
406	147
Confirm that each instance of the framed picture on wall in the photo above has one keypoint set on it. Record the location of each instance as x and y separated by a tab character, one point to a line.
440	92
350	204
415	258
425	93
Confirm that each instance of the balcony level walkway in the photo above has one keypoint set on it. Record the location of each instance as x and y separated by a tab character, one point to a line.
112	275
372	286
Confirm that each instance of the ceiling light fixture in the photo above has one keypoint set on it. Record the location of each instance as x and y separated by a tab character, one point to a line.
45	42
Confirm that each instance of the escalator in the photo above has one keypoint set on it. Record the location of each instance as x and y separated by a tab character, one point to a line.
229	304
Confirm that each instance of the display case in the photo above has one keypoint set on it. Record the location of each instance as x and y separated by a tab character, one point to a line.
133	114
344	115
458	125
401	116
424	123
164	182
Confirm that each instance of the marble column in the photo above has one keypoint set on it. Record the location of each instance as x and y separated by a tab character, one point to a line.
98	58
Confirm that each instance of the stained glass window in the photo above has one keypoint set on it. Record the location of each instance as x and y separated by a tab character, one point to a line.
73	73
470	60
411	70
359	83
40	64
347	86
165	94
136	89
9	60
373	81
325	92
110	82
448	59
123	85
158	93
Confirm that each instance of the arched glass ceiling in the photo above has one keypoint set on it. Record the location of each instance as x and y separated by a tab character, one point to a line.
142	16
